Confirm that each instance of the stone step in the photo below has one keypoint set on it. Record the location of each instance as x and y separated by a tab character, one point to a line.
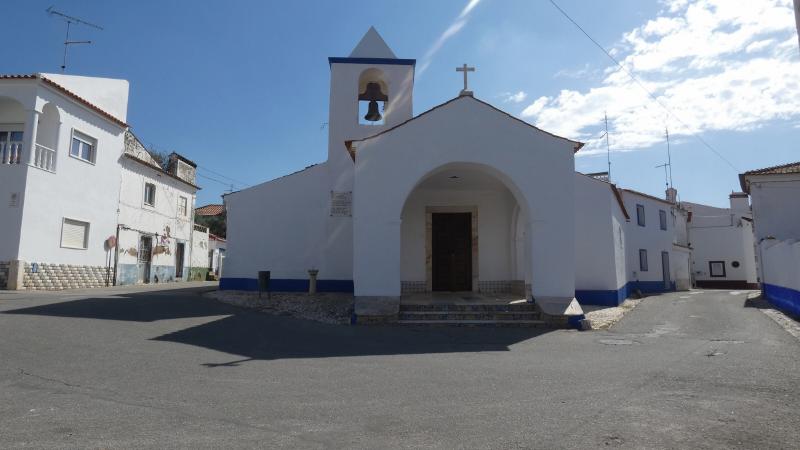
516	307
480	323
468	315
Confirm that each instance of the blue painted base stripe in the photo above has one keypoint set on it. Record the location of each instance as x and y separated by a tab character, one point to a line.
285	285
783	298
616	297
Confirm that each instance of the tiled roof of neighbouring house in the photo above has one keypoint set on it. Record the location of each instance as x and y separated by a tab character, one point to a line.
782	169
69	93
210	210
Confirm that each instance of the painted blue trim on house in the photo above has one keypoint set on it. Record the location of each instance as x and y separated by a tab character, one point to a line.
783	298
285	285
616	297
575	321
387	61
602	298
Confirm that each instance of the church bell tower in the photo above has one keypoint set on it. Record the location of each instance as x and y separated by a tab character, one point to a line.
371	91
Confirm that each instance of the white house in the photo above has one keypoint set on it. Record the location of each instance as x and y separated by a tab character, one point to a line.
67	180
723	248
463	197
156	233
216	254
775	197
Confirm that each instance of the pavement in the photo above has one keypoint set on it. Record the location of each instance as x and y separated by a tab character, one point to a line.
165	367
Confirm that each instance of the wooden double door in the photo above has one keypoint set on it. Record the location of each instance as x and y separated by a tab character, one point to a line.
451	251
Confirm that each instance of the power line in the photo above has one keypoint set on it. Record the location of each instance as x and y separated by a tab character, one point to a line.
641	85
224	176
214	179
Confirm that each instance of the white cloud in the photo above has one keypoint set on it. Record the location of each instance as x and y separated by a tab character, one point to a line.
511	97
716	64
448	33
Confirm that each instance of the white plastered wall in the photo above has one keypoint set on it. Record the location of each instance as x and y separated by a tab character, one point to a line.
281	225
598	249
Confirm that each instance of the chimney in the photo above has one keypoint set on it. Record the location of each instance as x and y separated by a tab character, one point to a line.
740	202
672	195
181	167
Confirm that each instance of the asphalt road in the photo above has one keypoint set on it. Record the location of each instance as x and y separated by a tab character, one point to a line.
131	368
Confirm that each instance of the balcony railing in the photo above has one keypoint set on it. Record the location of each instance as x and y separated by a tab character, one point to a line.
44	158
10	152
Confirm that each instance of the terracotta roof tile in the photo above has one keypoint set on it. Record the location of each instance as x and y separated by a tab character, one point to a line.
782	169
210	210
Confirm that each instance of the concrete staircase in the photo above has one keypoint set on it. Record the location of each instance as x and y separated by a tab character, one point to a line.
505	315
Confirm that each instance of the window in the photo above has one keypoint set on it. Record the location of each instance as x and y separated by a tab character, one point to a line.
716	269
74	234
662	218
640	215
643	260
10	147
150	194
83	147
183	206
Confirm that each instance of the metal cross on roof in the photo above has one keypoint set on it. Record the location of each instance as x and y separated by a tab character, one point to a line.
465	69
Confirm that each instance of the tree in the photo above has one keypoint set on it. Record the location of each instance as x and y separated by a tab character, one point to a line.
216	224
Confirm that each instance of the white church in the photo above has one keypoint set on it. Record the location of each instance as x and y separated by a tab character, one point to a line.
461	198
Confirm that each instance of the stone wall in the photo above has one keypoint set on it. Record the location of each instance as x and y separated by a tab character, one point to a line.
64	276
4	265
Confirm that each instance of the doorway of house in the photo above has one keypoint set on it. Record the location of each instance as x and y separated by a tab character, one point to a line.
145	258
451	251
665	270
180	249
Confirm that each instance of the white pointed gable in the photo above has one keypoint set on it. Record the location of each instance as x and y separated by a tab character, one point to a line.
108	94
372	45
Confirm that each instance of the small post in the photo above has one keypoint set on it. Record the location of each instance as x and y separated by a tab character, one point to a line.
312	281
263	282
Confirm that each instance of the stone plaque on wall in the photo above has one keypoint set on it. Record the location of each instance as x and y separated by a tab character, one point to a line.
341	204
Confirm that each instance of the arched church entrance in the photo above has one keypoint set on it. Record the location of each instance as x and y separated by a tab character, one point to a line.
463	230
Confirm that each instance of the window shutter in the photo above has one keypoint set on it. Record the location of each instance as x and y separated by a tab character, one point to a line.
73	234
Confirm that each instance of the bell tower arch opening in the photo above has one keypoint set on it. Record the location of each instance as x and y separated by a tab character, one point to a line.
373	97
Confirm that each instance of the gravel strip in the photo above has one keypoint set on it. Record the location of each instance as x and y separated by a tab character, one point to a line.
326	307
787	323
602	317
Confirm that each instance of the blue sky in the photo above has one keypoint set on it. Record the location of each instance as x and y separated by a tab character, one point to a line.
241	87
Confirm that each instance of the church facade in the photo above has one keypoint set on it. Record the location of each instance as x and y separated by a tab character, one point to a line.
463	197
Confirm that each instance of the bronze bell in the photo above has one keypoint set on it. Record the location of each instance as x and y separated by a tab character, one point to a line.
372	113
373	93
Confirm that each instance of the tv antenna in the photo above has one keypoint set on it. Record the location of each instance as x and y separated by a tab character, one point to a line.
668	165
70	20
608	147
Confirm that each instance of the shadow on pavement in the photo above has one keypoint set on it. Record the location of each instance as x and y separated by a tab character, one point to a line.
258	336
136	307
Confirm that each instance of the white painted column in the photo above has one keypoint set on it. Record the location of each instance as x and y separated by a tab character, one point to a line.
54	157
29	135
552	266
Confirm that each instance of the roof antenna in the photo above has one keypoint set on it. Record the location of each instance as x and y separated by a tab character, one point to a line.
669	157
70	20
608	147
668	165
